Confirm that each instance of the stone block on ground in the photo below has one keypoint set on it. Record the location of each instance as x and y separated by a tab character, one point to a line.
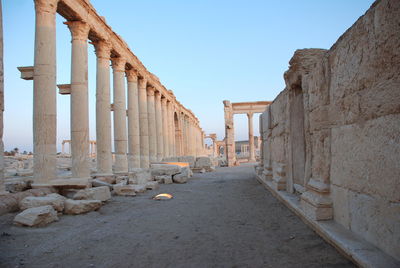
98	193
16	185
171	159
72	183
76	207
105	178
152	185
122	180
164	169
125	190
199	170
180	178
167	179
37	216
187	172
203	162
140	176
188	159
100	183
54	200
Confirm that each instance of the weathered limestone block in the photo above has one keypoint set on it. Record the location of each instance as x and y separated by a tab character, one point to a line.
166	179
164	169
171	159
16	185
98	193
100	183
122	180
76	207
125	190
108	179
54	200
180	178
279	176
25	172
203	162
139	188
37	216
188	159
152	185
187	172
72	183
140	176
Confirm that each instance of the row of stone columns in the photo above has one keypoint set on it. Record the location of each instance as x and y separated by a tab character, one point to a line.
144	128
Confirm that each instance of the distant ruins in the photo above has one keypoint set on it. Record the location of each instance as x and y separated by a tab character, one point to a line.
332	136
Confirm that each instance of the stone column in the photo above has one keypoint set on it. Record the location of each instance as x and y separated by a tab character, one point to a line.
159	126
120	136
171	124
44	94
144	124
165	128
79	100
133	120
252	157
103	113
229	134
2	186
151	111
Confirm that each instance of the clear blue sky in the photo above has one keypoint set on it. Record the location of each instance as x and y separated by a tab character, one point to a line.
205	51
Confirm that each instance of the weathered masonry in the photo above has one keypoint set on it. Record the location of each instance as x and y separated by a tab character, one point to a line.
148	122
332	135
230	109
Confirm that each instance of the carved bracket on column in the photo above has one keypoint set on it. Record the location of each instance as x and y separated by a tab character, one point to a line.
64	89
26	72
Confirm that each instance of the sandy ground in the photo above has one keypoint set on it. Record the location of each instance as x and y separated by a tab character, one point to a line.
220	219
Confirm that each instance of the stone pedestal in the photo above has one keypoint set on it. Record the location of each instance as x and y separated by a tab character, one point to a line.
120	136
44	93
144	124
279	177
316	202
133	121
103	113
79	100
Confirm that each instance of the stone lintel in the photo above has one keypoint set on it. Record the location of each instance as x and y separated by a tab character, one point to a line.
26	72
64	89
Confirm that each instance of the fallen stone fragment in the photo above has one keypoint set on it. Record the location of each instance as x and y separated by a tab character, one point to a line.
81	206
122	180
152	185
98	193
180	178
100	183
164	169
203	162
163	179
139	188
188	159
16	185
108	179
25	172
125	190
187	172
54	200
140	176
38	216
73	183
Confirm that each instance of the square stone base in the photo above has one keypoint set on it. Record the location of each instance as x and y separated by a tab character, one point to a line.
316	213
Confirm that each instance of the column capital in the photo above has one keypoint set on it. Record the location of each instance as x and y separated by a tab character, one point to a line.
118	64
163	100
79	30
49	6
250	114
150	90
131	75
142	82
103	49
158	95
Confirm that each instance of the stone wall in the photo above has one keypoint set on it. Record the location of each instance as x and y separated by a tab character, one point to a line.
333	134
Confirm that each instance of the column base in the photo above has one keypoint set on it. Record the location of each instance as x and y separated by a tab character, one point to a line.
106	177
316	202
279	177
73	183
267	174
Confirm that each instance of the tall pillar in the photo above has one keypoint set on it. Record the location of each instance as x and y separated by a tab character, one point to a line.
44	94
165	127
229	134
159	126
144	124
252	157
120	136
103	113
151	111
133	120
171	123
79	100
2	186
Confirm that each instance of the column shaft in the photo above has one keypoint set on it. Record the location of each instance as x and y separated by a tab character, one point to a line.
79	100
44	93
151	111
133	121
144	124
103	113
120	135
171	124
159	126
251	138
165	127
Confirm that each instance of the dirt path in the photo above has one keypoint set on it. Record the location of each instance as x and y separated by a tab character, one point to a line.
219	219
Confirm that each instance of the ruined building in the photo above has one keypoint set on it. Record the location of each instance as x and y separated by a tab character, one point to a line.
331	138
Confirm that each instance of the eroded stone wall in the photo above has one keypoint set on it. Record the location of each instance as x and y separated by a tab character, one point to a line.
351	122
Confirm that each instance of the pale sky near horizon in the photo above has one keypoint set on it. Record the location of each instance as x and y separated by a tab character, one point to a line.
205	51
